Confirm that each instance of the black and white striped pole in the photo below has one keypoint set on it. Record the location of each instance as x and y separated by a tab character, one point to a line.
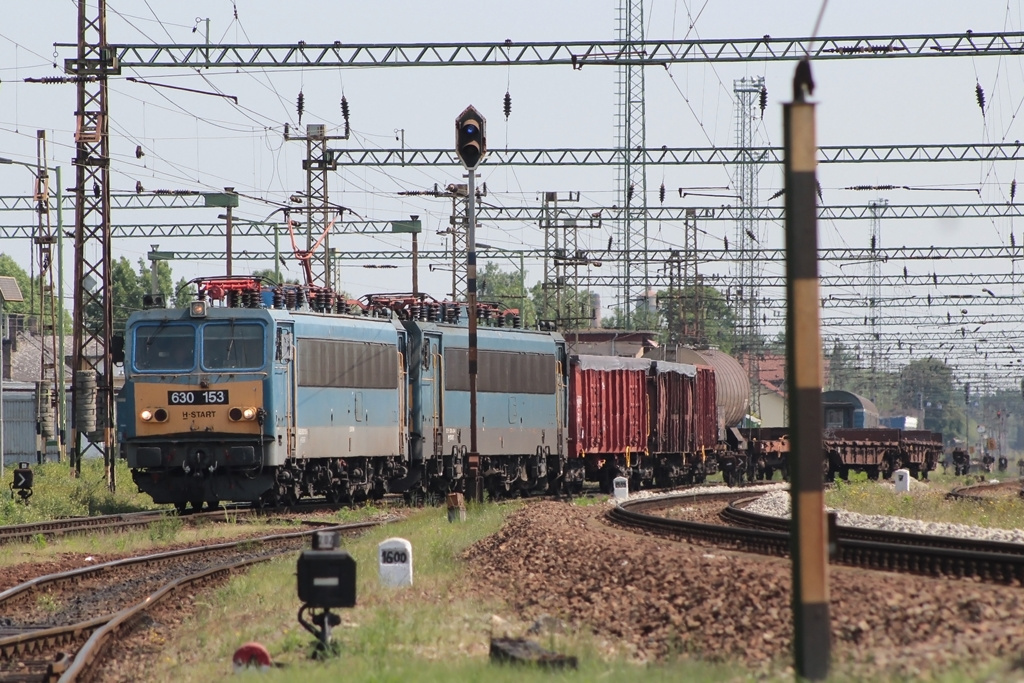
804	369
471	147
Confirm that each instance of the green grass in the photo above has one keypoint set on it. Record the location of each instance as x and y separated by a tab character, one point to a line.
437	630
57	494
926	502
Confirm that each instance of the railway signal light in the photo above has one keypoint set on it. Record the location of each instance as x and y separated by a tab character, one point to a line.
471	137
326	579
23	482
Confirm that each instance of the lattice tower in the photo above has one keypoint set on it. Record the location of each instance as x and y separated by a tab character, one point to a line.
748	234
631	135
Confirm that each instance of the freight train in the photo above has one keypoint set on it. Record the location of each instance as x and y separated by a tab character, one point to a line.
268	394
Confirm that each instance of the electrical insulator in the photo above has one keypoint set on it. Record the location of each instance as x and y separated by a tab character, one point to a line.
138	152
507	104
980	94
1013	242
763	100
344	109
661	193
301	105
138	187
725	242
872	243
1013	189
629	193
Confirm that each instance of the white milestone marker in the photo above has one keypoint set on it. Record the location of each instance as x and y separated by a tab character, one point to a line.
620	488
395	558
902	480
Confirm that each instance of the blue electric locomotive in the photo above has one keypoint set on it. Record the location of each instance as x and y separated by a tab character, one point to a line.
242	402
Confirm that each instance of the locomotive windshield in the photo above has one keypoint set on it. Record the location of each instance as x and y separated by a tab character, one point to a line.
231	346
165	346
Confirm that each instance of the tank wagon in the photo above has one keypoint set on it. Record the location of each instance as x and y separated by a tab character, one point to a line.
269	394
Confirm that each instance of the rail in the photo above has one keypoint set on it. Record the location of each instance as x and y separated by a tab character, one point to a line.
96	632
989	561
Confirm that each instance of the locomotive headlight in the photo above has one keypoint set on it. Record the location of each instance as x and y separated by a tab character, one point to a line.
237	414
160	415
146	415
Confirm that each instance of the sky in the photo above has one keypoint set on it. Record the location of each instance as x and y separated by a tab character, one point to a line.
201	142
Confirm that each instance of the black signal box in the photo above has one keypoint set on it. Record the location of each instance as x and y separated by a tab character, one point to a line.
22	477
327	578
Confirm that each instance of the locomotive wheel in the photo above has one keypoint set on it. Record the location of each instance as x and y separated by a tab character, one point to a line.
180	507
212	504
768	473
872	473
197	505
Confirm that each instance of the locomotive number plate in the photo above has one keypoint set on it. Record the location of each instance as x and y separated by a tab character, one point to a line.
197	398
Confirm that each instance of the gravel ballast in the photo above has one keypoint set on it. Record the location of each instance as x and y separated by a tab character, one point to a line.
777	504
661	598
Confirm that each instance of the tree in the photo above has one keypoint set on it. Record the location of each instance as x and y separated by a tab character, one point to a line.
270	276
506	288
717	317
573	309
642	319
10	268
125	291
184	293
931	381
127	287
31	291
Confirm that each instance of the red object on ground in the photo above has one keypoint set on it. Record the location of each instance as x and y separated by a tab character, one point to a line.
251	655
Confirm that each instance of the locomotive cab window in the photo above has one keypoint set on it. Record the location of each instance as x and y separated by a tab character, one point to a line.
161	347
232	346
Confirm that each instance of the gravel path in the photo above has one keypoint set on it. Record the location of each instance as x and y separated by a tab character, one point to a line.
661	598
777	504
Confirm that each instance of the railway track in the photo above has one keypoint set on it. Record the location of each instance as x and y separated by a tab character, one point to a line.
21	533
985	492
988	561
31	649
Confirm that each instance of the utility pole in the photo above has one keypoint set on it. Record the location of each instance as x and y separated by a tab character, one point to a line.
875	293
559	250
93	318
51	325
803	369
632	135
318	162
748	233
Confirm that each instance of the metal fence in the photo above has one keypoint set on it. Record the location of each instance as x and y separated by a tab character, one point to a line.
19	420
